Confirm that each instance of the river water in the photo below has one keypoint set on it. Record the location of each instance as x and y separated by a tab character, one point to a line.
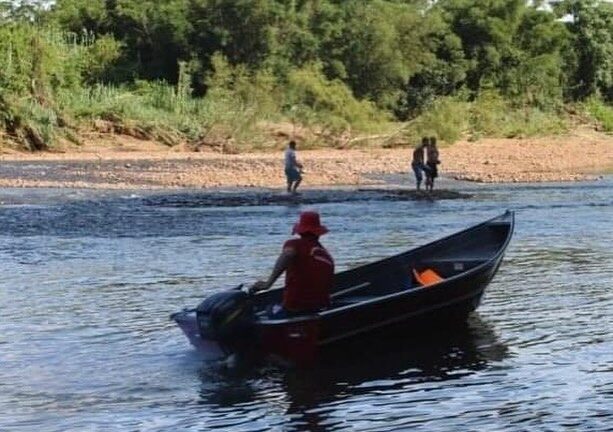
90	278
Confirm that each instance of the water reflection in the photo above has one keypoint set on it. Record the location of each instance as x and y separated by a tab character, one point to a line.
373	365
423	355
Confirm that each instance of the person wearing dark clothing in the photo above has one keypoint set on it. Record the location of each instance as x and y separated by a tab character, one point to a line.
432	163
417	164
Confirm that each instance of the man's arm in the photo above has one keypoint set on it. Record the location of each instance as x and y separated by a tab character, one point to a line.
286	257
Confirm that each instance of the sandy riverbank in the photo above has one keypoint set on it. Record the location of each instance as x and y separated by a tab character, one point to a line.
134	164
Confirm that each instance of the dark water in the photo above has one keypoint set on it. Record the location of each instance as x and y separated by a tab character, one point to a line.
89	279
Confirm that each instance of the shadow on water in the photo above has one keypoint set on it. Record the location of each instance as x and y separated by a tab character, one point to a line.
165	214
365	366
306	197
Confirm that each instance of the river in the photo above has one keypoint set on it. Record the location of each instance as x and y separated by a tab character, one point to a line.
89	280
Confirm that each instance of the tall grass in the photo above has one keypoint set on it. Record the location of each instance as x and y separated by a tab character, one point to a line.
447	119
600	112
489	115
313	99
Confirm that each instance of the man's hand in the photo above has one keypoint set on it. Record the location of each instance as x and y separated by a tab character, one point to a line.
258	286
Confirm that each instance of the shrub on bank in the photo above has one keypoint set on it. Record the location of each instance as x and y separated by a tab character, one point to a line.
447	119
489	115
492	116
312	99
600	112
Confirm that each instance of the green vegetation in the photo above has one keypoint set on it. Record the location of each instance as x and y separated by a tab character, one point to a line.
601	112
220	72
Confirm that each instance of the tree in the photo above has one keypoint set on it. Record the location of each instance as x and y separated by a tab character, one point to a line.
154	34
592	29
442	72
22	10
512	46
242	30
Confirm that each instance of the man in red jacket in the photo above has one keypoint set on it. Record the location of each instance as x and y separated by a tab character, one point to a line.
308	267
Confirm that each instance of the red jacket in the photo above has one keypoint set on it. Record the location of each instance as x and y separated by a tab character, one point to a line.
309	277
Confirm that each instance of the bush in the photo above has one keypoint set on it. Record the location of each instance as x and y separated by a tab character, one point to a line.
489	115
446	119
600	112
312	98
493	116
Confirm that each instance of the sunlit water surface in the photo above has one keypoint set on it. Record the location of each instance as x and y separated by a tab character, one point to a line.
89	280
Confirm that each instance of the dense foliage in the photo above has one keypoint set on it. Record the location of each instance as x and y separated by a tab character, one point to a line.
195	69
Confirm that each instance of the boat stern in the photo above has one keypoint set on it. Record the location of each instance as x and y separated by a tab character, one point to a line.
186	320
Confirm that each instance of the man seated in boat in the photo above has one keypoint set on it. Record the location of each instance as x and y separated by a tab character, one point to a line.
308	267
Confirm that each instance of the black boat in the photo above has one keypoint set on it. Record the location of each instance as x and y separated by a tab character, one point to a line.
441	281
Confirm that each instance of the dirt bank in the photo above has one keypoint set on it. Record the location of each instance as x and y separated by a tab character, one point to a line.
131	163
581	155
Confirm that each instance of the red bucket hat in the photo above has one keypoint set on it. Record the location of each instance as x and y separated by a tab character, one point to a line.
309	223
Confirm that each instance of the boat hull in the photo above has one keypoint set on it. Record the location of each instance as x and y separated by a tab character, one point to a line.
444	302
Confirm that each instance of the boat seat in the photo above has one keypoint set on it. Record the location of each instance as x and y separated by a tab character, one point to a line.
471	260
345	291
449	266
349	300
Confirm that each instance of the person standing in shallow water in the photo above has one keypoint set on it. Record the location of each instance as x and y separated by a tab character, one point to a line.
417	164
292	168
432	163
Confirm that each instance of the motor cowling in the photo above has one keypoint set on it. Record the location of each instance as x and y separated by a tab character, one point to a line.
226	317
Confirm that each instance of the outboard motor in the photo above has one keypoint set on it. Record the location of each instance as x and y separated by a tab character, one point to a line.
226	317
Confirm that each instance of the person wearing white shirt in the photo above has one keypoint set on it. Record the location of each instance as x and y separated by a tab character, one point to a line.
292	168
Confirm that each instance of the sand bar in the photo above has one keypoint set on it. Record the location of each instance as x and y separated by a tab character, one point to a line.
134	165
